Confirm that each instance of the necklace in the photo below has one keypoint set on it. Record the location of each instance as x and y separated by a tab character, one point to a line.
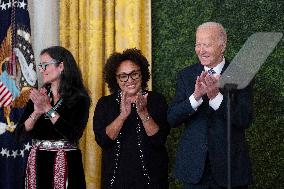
55	107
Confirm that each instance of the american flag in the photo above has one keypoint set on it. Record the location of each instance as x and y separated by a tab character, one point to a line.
17	75
16	53
6	97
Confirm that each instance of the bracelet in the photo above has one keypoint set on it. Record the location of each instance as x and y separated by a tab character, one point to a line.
51	113
147	118
32	117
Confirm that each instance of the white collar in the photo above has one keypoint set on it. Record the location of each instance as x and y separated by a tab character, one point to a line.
218	68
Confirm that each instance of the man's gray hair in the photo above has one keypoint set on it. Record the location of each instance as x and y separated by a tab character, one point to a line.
221	29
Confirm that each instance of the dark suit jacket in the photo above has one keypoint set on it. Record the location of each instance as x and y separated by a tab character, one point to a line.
206	133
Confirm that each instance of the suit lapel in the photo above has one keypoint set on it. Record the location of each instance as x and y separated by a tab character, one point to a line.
225	66
199	69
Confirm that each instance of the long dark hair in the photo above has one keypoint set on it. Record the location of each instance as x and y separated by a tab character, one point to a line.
71	82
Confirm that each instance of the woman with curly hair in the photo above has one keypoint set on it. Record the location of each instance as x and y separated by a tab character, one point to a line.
131	126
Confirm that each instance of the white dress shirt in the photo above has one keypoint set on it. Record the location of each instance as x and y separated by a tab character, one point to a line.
215	102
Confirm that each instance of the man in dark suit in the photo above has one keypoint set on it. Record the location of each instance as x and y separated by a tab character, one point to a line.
201	159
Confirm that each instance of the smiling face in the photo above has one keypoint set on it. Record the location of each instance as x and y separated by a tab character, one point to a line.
50	72
209	47
128	77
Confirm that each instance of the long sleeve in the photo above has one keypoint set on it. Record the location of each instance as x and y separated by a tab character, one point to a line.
180	109
157	107
107	109
103	112
72	124
20	131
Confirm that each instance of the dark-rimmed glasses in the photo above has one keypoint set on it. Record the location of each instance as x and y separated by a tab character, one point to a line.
43	65
135	74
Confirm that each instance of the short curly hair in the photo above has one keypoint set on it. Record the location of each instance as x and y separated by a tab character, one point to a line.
115	60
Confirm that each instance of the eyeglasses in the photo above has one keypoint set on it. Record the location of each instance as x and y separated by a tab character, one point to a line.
124	77
43	65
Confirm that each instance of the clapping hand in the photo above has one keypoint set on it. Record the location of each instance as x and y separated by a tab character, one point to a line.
200	87
125	105
212	87
41	100
206	84
141	103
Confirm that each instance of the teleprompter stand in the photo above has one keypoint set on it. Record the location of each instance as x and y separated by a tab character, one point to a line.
241	71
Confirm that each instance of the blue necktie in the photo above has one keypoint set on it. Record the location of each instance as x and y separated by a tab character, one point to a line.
211	72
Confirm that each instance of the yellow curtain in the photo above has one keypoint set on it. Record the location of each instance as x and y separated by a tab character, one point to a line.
92	30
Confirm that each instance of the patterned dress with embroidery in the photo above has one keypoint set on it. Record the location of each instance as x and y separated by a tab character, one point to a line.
69	126
133	160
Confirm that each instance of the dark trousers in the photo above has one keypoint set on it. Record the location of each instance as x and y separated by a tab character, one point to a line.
207	181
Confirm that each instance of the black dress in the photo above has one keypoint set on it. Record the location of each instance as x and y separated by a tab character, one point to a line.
133	160
69	126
